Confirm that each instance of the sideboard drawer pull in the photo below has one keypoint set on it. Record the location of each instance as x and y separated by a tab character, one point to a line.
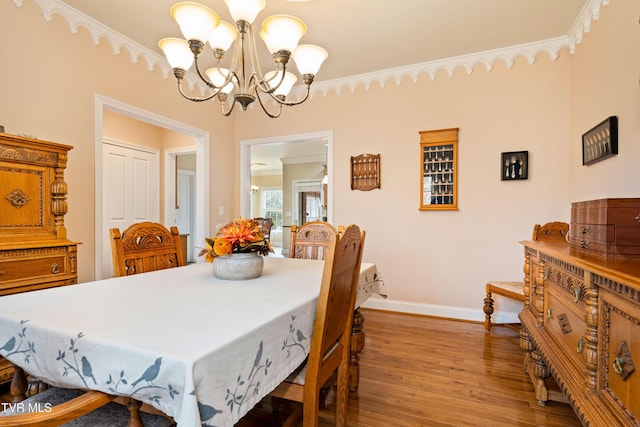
637	218
618	365
584	244
54	268
3	272
580	345
576	293
585	230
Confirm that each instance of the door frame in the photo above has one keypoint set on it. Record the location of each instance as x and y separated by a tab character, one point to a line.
245	166
170	188
298	187
202	137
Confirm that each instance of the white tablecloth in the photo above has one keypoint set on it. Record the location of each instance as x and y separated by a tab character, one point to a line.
200	349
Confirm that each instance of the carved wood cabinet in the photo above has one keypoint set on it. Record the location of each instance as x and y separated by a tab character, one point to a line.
581	325
34	250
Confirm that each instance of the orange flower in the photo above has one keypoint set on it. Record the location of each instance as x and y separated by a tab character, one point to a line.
237	236
222	247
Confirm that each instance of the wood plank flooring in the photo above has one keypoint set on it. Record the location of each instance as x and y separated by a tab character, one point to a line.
422	371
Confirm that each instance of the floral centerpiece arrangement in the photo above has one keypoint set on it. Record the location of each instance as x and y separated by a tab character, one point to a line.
240	235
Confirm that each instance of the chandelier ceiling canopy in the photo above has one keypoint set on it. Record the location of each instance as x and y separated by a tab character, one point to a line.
243	82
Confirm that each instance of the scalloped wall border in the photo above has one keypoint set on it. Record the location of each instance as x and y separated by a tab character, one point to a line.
98	31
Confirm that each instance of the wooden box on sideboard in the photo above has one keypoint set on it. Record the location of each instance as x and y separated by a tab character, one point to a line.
609	228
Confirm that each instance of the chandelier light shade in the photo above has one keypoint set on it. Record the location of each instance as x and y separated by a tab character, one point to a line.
195	20
245	10
242	81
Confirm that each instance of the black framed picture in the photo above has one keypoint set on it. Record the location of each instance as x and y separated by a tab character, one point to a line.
601	141
514	165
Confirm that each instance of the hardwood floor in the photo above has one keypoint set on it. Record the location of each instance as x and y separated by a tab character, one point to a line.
422	371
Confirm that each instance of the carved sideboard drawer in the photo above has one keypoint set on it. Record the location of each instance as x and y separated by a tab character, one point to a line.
565	322
606	227
620	355
28	268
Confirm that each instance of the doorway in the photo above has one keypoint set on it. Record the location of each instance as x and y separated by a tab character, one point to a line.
201	205
290	140
283	144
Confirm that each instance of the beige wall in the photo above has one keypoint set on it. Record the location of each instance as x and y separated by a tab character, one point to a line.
49	83
444	258
605	82
432	262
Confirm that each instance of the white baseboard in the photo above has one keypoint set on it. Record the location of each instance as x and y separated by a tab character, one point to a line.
450	312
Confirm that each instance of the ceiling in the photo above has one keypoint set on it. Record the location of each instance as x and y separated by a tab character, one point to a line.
364	36
367	36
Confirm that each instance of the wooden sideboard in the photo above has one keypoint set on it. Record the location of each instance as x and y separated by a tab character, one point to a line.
581	325
34	250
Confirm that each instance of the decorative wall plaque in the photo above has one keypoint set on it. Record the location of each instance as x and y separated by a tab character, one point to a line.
365	172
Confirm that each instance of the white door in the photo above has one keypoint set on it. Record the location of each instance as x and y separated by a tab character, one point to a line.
130	191
184	209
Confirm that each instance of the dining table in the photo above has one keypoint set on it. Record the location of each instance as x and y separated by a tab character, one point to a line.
202	350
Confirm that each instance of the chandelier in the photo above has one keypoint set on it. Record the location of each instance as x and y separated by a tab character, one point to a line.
243	82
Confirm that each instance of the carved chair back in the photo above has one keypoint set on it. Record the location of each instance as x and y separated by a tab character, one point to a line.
552	231
311	240
143	247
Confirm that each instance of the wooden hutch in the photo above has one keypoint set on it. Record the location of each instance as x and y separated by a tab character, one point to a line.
581	317
34	250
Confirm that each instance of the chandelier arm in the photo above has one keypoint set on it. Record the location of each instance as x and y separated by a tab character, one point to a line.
256	70
193	98
206	79
265	87
226	113
264	108
291	104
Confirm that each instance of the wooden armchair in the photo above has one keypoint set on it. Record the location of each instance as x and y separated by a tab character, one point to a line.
311	240
551	231
328	357
146	246
265	224
77	408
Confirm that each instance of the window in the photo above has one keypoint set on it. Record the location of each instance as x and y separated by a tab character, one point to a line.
271	202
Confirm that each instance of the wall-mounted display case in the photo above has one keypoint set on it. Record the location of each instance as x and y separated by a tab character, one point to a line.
439	169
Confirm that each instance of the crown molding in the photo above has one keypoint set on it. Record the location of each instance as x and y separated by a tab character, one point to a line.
590	12
98	31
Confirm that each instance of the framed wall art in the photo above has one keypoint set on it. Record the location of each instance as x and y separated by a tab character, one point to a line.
439	169
514	165
601	141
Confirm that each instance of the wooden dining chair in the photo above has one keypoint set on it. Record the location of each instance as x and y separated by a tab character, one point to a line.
143	247
265	224
331	337
310	240
551	231
78	408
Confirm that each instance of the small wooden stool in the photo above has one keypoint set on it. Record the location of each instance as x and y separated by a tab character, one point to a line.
513	290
